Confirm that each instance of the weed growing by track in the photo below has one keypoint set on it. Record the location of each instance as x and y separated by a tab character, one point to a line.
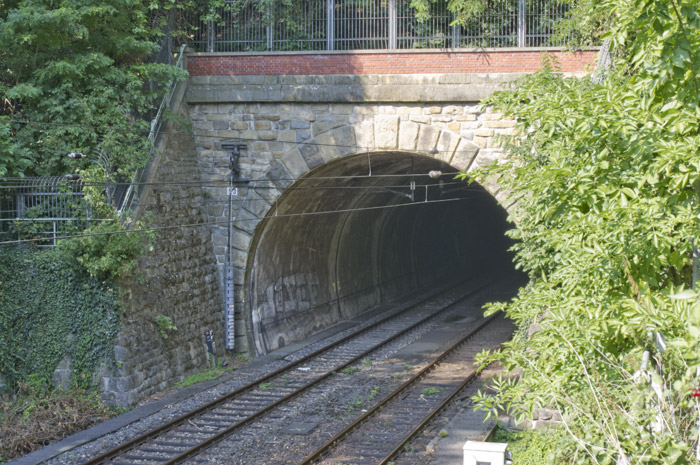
36	417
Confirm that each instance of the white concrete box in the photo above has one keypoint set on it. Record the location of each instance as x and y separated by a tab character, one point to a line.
485	453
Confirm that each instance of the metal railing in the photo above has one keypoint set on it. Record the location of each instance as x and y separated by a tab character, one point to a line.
42	209
126	202
247	25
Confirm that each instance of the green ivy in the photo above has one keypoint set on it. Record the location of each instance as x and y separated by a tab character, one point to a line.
50	309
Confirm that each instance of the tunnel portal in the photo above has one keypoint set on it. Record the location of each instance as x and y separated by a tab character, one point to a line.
361	231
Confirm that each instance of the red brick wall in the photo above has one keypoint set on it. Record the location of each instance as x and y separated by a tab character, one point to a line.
491	61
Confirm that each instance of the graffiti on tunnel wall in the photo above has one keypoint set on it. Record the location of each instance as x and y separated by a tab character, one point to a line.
287	295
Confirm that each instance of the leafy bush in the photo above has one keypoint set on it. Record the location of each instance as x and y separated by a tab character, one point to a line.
547	446
108	247
76	76
607	213
51	310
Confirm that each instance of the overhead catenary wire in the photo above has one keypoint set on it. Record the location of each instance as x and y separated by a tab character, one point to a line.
252	183
359	148
241	200
367	190
235	221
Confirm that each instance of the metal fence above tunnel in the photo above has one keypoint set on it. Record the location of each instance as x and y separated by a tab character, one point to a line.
246	26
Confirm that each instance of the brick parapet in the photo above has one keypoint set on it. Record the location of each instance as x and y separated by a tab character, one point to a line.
387	62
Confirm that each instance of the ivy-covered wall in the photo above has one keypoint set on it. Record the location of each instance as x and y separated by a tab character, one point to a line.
53	313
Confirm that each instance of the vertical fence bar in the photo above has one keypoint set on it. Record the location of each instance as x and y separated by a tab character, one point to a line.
392	24
330	24
374	24
210	36
269	28
455	35
522	27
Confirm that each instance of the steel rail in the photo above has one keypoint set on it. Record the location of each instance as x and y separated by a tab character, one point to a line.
152	434
383	403
227	431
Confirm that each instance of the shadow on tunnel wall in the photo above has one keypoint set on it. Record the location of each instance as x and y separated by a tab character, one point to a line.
363	231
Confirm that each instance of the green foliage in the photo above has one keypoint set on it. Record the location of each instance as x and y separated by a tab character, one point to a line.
35	416
108	247
548	446
73	77
209	375
356	404
50	310
584	24
265	386
606	214
429	391
12	160
349	371
164	324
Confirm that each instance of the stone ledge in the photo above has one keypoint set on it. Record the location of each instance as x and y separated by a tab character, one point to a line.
423	88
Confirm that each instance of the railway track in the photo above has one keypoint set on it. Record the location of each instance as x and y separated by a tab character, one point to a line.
385	431
188	435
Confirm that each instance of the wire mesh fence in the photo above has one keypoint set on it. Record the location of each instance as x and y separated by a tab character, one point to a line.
251	25
42	209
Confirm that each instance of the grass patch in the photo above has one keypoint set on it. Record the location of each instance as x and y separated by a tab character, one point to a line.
349	371
547	446
265	386
355	404
429	391
209	375
35	417
374	393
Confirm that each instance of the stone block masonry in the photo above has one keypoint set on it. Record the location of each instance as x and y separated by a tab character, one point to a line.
297	137
295	112
178	279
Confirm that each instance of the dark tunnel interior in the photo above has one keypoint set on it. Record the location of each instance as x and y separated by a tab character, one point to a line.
365	230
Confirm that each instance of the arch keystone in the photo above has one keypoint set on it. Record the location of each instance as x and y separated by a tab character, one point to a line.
427	138
364	134
386	131
408	135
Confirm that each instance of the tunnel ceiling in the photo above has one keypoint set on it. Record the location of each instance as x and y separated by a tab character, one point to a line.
355	233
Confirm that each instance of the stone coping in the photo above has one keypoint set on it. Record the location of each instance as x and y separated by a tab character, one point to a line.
385	88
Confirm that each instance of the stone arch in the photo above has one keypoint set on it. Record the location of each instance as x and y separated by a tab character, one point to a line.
381	133
375	135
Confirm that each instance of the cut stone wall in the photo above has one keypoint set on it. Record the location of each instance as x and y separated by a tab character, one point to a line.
178	279
287	138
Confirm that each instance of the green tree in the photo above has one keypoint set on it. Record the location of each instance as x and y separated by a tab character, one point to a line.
607	213
77	75
584	23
